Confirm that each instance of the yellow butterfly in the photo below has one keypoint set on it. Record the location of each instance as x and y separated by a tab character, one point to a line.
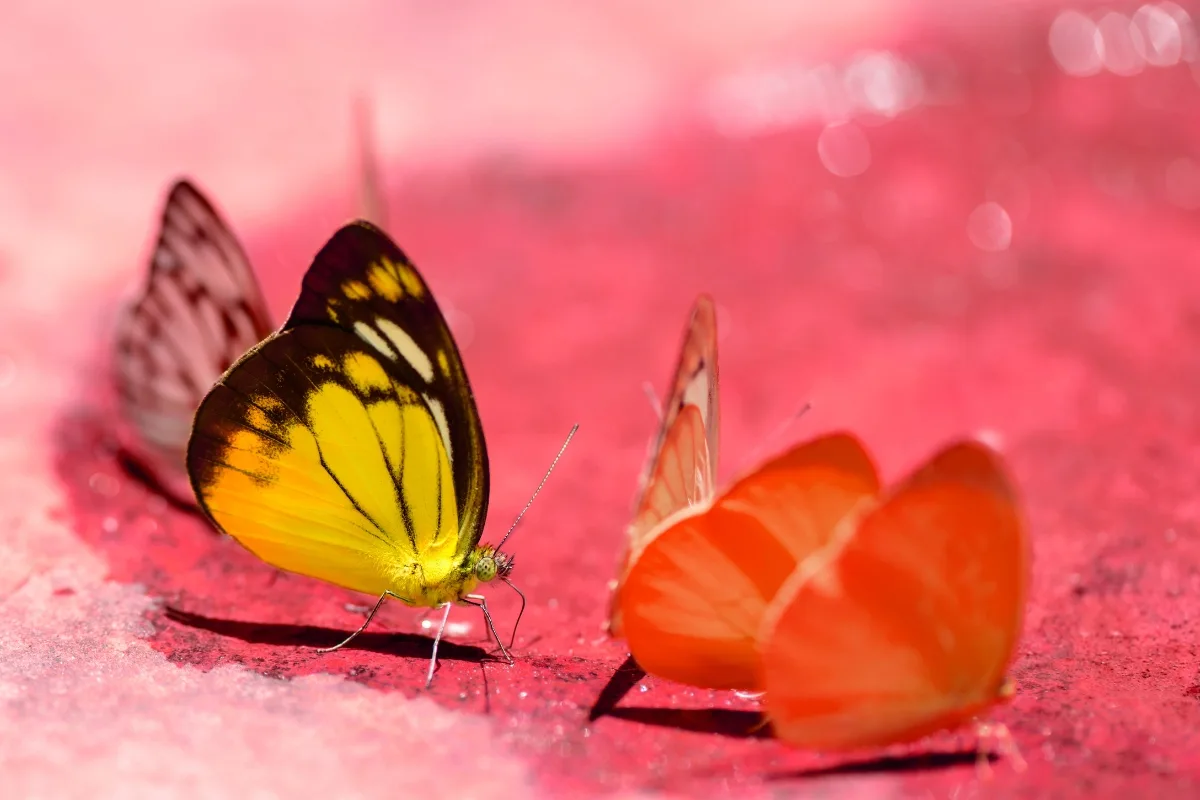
347	446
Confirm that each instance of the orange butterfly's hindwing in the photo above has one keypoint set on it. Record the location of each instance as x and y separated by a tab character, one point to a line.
907	624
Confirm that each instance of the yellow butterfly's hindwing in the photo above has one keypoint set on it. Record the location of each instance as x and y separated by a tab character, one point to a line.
364	284
314	457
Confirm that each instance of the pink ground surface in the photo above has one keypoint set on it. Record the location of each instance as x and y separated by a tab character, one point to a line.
1013	253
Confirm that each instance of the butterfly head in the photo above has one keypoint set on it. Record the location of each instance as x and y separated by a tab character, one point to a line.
488	564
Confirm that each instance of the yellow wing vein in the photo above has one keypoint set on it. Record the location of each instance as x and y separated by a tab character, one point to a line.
405	511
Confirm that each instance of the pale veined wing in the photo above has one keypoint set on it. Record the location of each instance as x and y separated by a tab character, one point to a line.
681	467
200	309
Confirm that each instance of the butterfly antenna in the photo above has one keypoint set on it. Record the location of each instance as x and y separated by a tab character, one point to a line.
774	435
545	478
652	396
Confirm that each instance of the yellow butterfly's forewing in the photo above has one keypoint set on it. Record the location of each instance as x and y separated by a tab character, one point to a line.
362	283
340	451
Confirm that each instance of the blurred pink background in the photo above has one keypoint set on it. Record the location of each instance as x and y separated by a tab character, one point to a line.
1061	174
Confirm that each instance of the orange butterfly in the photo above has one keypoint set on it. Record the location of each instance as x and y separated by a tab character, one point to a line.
682	465
714	588
906	623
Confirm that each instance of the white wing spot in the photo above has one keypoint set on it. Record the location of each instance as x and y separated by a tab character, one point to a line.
368	335
417	358
439	416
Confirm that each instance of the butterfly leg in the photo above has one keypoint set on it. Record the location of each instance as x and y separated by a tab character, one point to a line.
998	735
481	601
436	641
652	396
361	628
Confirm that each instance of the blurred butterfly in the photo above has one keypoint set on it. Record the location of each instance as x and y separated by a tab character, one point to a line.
680	470
201	308
907	622
370	184
347	446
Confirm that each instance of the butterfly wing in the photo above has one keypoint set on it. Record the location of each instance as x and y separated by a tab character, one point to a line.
200	310
693	385
681	468
365	285
694	598
348	447
907	625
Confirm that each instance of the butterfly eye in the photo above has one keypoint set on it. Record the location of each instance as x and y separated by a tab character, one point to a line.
485	569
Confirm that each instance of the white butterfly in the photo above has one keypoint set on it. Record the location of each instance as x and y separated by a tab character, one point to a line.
200	310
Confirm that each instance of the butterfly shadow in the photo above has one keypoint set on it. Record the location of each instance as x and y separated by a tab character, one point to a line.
917	762
132	466
628	675
728	722
722	721
406	645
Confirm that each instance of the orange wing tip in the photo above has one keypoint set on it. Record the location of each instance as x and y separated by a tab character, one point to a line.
840	450
704	313
968	461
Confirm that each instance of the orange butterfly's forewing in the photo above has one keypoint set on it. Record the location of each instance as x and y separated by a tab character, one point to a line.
907	623
693	600
682	466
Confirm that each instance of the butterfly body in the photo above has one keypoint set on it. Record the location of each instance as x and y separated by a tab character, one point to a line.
433	582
